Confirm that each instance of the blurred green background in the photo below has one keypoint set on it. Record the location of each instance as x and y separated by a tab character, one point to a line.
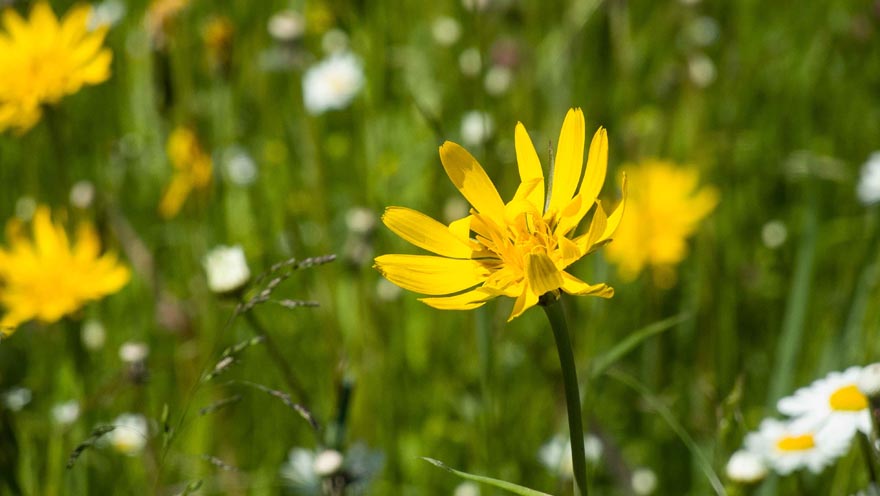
775	103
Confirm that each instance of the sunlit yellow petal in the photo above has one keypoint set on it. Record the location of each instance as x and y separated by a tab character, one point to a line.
425	232
541	273
465	301
529	166
597	165
616	216
526	300
471	180
431	275
569	160
573	285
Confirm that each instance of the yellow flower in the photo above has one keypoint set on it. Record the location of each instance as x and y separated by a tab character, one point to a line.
519	249
192	170
43	60
45	278
664	209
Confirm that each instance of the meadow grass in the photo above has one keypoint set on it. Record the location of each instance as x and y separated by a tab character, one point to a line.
780	125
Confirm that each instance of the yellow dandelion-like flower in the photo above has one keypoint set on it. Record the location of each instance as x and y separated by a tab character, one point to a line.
46	278
42	60
664	209
520	249
192	170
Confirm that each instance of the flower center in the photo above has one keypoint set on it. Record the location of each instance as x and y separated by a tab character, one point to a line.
848	399
796	443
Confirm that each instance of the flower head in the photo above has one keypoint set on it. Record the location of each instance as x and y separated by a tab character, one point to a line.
745	467
43	59
788	446
46	278
833	404
192	170
520	249
664	208
129	434
868	189
227	269
332	83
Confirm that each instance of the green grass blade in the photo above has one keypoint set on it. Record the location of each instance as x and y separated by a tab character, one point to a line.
679	430
507	486
602	362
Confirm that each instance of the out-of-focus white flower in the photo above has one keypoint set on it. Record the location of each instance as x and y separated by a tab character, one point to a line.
65	413
334	41
93	335
788	446
227	269
833	404
869	381
332	83
287	25
555	454
868	188
446	31
360	220
25	208
82	194
133	352
498	79
106	14
644	481
239	167
701	70
129	435
476	5
774	233
470	62
476	127
327	462
299	473
745	467
386	290
16	398
466	489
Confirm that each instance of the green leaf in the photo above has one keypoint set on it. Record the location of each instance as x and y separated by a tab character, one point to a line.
660	408
607	359
507	486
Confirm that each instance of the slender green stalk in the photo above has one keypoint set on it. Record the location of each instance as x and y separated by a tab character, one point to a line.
275	354
556	316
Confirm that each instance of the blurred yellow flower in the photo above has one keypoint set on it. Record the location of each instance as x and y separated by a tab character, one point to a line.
665	208
519	249
192	170
160	16
45	278
43	60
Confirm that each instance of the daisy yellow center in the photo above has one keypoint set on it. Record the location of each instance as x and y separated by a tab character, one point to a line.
848	399
796	443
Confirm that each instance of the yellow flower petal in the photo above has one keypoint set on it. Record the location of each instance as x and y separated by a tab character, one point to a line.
529	166
541	273
465	301
431	275
526	300
425	232
616	216
569	160
573	285
471	180
597	166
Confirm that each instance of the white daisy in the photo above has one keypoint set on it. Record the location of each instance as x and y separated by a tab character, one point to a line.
746	467
129	435
788	446
332	83
833	403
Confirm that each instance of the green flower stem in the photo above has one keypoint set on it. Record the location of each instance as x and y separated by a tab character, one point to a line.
556	316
